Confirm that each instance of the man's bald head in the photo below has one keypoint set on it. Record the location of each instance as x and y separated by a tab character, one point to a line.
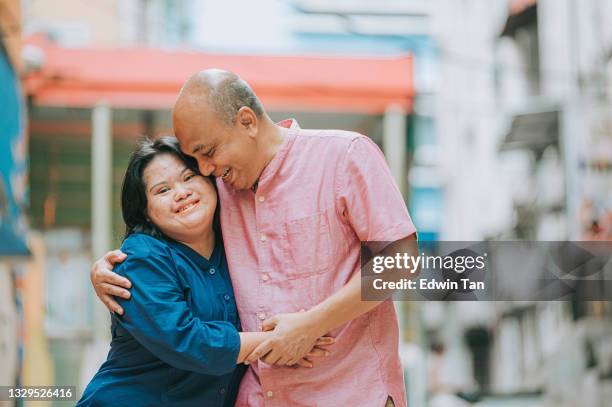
218	119
223	92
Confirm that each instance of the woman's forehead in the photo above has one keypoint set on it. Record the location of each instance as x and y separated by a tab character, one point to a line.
164	165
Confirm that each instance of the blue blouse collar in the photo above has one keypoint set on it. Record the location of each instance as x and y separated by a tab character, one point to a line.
197	258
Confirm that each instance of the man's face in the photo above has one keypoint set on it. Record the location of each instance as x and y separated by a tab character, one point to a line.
228	152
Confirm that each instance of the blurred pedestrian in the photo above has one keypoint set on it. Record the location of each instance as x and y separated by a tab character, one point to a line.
442	387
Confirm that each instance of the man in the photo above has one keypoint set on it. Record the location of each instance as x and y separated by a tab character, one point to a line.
296	205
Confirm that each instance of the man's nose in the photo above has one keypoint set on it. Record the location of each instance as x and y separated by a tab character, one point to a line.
206	167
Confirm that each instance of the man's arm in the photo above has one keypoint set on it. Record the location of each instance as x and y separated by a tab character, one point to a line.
107	284
294	333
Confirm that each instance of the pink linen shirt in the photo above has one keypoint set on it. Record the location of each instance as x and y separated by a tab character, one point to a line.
295	242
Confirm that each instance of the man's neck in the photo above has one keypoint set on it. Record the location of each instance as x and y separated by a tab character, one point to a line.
274	136
273	139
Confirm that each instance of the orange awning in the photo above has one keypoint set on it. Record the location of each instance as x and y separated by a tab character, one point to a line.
151	78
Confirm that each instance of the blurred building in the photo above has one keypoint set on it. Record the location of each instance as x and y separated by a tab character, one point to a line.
558	105
553	86
110	23
13	226
523	112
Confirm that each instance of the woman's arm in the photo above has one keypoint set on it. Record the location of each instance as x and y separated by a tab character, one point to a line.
248	342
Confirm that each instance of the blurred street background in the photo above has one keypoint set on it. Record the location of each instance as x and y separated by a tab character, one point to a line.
495	117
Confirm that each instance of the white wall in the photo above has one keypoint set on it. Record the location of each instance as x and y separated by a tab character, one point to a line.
467	117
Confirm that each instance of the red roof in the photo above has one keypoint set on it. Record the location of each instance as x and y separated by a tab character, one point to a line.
151	78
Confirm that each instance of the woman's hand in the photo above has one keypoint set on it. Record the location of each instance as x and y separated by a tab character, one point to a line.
293	336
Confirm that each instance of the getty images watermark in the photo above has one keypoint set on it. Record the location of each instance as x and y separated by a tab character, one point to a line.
488	271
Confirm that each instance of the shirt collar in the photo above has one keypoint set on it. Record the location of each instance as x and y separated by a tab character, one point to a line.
272	167
197	258
290	123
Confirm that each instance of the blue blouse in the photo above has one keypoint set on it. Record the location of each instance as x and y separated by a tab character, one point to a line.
177	342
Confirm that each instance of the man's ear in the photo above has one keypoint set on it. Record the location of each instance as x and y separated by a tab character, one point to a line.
247	120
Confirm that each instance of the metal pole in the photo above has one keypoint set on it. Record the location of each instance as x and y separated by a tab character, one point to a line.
394	148
101	196
394	144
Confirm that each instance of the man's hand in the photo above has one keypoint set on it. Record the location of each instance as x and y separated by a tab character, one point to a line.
107	284
294	337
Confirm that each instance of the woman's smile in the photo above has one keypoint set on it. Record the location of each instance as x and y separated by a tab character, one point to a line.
187	207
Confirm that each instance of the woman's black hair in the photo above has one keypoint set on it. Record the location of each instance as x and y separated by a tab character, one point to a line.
133	191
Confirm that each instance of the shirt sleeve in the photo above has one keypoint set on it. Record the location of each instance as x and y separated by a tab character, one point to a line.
159	318
368	197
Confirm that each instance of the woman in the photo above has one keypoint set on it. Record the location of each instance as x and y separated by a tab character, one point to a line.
178	342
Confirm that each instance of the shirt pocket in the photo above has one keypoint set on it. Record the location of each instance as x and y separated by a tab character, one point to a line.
307	247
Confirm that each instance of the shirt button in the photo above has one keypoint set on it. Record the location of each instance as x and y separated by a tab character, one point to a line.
222	391
212	271
262	238
227	297
261	316
265	277
261	199
269	393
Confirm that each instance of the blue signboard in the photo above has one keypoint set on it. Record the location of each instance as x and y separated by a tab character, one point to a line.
13	165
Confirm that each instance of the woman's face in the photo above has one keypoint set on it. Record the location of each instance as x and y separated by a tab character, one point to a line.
179	202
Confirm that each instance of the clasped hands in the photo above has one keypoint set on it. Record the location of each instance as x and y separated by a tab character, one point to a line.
295	340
